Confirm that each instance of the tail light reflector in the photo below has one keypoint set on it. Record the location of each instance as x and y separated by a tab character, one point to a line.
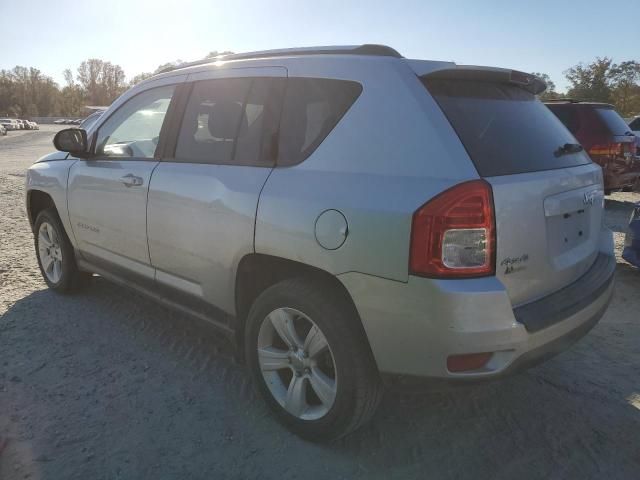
467	362
453	235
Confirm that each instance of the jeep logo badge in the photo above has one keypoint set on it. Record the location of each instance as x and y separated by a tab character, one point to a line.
589	198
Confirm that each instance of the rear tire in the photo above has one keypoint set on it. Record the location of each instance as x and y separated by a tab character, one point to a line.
310	361
55	254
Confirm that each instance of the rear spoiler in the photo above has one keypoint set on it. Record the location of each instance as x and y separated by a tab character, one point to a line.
526	81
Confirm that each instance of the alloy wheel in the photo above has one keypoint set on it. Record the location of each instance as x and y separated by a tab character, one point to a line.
50	252
297	364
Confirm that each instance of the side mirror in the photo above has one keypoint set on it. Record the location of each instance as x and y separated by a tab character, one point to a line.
73	141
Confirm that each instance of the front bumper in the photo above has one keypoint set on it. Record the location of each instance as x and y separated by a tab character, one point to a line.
414	327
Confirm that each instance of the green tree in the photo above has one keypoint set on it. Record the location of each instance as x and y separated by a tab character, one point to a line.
592	81
139	78
102	82
625	79
216	53
550	92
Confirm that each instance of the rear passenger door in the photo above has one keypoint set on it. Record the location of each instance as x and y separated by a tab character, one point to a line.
204	194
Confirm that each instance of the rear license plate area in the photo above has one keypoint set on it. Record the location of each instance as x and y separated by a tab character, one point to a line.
568	230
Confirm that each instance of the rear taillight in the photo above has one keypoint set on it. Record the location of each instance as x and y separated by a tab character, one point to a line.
610	149
453	235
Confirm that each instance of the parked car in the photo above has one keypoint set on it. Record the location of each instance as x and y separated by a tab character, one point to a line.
3	131
60	121
9	124
631	252
34	126
346	216
91	119
606	137
634	125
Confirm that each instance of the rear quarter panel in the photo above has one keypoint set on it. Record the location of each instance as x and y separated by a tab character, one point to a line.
390	153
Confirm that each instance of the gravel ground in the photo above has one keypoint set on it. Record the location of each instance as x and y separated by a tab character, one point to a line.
107	385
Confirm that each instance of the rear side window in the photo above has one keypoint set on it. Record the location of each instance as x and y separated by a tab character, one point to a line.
614	122
635	125
504	128
312	108
231	121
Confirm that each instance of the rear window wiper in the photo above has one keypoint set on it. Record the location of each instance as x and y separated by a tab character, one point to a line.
568	148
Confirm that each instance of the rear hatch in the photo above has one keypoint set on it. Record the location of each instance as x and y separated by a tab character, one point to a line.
548	195
616	153
605	136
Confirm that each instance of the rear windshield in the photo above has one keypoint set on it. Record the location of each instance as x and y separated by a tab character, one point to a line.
615	123
504	128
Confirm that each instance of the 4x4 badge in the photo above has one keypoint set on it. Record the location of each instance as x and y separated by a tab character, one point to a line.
514	264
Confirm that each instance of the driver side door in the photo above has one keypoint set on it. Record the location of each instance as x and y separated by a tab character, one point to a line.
107	194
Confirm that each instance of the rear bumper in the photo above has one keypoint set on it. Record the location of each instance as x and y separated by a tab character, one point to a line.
414	327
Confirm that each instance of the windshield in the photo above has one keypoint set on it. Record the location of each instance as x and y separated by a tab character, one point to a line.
505	129
90	120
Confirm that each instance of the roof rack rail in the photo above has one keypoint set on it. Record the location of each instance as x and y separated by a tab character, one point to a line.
171	68
366	49
569	100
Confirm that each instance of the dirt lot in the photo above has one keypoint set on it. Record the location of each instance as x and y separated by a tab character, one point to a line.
107	385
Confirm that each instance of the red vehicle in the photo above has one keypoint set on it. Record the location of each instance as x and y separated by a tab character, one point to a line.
605	136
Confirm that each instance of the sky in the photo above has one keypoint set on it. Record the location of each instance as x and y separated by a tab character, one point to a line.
533	36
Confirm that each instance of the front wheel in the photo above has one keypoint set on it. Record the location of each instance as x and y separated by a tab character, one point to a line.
310	361
55	254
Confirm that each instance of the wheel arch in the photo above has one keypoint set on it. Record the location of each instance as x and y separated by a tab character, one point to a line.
256	272
37	201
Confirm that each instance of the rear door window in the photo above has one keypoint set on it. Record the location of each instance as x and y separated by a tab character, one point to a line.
504	128
312	108
212	120
231	122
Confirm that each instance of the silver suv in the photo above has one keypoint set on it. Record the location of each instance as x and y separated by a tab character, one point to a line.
347	216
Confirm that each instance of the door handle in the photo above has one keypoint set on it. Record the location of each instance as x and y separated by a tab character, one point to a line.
131	180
